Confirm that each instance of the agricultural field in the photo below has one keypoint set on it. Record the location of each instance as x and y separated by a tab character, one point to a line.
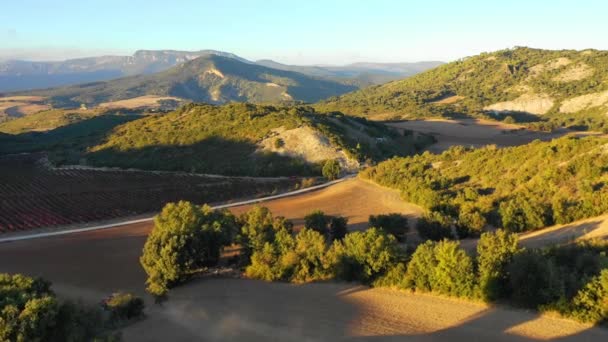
18	106
33	195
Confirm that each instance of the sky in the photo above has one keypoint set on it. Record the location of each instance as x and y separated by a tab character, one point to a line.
299	32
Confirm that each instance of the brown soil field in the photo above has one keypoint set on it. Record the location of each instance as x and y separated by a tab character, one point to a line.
354	199
476	132
147	101
93	264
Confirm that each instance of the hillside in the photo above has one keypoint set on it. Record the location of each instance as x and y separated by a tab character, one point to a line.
234	139
361	74
210	79
565	87
18	75
520	188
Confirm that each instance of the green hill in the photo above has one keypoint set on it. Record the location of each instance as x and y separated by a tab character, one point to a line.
565	87
210	79
233	139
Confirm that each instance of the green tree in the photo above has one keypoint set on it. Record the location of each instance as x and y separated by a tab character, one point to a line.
259	227
185	239
421	268
331	169
454	273
494	253
365	255
591	302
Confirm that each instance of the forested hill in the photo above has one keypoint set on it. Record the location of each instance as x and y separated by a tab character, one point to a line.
210	79
564	87
233	139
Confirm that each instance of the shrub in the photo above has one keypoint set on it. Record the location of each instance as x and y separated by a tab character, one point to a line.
331	169
278	143
365	255
534	280
494	253
310	249
317	221
441	267
395	224
434	226
420	269
338	227
591	302
394	277
454	273
259	227
185	239
123	307
29	311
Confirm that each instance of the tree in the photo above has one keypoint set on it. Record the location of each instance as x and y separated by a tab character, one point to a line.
317	221
395	224
435	226
533	279
259	227
310	249
331	169
494	253
365	255
454	274
338	227
591	302
278	143
185	239
420	269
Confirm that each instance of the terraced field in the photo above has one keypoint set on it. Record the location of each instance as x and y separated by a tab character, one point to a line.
33	195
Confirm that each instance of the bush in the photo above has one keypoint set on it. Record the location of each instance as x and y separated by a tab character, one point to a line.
278	143
434	226
534	280
365	255
494	253
331	169
185	239
123	307
259	227
29	311
299	260
395	224
441	267
591	302
338	227
317	221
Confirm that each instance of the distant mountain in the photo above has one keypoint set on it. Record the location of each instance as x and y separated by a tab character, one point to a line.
24	75
549	87
361	74
211	79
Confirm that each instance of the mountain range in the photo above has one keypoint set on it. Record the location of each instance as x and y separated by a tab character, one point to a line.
18	75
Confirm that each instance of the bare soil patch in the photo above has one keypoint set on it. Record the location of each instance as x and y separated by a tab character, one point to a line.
474	132
146	101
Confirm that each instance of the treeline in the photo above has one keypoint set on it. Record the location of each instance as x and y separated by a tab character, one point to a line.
30	311
187	239
520	188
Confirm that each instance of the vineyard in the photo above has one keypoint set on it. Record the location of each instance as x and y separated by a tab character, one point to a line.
33	195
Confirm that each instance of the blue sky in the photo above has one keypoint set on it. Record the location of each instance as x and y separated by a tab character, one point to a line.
299	32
